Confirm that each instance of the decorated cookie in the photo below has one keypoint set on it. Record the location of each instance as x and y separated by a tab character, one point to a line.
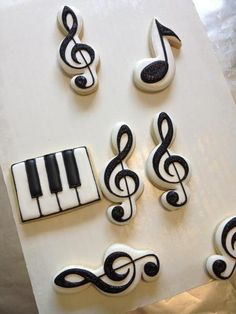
76	59
223	266
164	169
155	74
123	268
54	183
118	183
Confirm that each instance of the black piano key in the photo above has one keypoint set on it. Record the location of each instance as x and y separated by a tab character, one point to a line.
71	168
33	178
53	173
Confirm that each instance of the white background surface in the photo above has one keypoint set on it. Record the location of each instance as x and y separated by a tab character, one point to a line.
41	114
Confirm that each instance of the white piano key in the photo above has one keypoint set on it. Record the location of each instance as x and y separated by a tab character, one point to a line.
88	189
68	197
28	206
48	201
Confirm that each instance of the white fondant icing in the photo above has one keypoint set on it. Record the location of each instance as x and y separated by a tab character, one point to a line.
77	59
129	190
160	46
128	265
222	265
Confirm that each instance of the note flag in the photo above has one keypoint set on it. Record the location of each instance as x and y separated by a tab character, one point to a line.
155	74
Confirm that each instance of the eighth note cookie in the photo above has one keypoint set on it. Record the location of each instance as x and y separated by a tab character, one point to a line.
77	59
54	183
118	183
123	267
222	266
155	74
166	170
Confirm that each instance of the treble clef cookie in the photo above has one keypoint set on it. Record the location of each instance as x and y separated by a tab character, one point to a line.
77	59
118	183
165	170
122	269
223	265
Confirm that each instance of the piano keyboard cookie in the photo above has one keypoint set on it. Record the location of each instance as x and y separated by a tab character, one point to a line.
54	183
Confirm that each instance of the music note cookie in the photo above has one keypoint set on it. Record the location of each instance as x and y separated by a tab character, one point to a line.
77	59
155	74
118	183
223	265
122	269
164	169
54	183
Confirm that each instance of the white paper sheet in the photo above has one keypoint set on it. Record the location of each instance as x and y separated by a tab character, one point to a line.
41	114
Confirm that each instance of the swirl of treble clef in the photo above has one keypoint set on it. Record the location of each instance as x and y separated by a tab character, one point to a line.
223	266
166	170
77	59
118	183
112	278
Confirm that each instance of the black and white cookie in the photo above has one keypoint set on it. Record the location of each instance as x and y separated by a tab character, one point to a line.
123	267
222	266
77	59
155	74
118	183
54	183
166	170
